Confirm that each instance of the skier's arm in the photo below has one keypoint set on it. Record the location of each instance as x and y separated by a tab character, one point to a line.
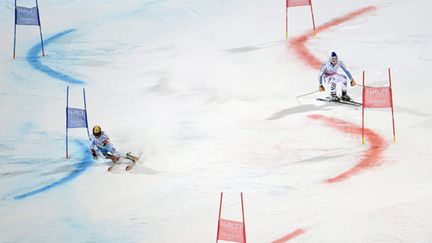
93	145
94	154
93	149
321	77
342	65
105	140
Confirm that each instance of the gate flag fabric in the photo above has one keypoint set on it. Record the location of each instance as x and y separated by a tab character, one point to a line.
27	16
298	3
295	3
230	230
75	118
377	97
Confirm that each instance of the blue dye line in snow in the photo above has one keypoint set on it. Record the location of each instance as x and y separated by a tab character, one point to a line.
34	60
137	11
26	127
86	161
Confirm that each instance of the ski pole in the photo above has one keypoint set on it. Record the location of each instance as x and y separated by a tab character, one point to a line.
307	94
297	97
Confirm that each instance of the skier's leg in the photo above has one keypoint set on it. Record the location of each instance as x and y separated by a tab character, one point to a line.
104	152
128	156
333	83
113	154
132	157
344	80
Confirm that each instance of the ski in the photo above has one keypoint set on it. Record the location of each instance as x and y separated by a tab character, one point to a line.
134	160
128	156
351	103
112	166
114	162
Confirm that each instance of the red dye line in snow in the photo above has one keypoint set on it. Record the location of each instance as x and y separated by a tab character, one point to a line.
371	156
374	152
298	43
289	236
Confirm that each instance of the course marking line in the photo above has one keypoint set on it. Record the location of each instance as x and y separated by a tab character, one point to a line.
290	236
34	60
371	158
86	161
299	43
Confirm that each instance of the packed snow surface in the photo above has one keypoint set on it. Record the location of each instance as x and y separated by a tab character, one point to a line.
217	100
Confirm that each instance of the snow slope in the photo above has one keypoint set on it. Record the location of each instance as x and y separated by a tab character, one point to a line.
207	90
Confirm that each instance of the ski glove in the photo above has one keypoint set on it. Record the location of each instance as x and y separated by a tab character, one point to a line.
94	154
321	88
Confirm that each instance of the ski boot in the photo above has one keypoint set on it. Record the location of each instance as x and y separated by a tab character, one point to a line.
334	97
133	158
129	156
114	159
345	97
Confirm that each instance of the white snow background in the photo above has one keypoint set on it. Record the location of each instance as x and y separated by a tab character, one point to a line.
207	89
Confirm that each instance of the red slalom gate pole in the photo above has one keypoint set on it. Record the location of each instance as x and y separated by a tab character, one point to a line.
220	210
244	225
313	18
363	104
286	20
391	100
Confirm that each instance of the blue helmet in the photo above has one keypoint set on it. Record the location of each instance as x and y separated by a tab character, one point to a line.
333	55
333	58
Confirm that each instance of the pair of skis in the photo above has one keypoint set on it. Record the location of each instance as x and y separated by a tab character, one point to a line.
343	102
130	157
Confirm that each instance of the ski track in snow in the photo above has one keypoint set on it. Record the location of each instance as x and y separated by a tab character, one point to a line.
83	163
298	45
370	159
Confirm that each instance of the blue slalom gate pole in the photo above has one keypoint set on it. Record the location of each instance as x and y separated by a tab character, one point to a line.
15	30
85	110
40	28
67	121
